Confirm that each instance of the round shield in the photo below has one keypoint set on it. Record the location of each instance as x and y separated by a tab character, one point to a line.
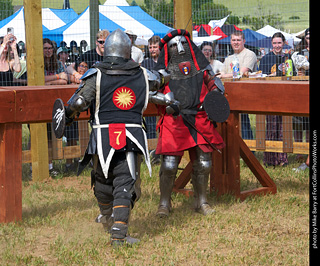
216	106
58	118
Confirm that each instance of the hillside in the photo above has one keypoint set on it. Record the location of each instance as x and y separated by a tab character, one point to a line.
255	8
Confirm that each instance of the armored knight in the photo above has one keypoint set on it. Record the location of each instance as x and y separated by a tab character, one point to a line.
117	93
189	129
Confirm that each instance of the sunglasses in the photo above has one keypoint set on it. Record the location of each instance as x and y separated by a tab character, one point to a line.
101	42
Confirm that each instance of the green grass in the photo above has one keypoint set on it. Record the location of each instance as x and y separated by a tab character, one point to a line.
58	226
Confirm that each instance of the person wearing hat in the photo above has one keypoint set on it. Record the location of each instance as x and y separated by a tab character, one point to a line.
91	57
136	53
63	55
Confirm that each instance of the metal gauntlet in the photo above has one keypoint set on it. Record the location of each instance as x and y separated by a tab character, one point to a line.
157	79
173	106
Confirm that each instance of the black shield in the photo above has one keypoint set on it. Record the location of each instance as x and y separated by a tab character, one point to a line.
216	106
58	118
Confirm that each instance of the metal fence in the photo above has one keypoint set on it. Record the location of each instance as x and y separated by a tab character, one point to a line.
71	28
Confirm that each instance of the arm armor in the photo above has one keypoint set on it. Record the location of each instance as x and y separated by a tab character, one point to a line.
173	106
81	99
77	104
157	79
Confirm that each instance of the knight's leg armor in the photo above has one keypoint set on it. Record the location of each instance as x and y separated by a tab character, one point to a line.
168	171
124	195
200	176
103	193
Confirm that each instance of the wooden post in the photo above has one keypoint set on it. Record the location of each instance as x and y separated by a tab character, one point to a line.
10	172
183	15
35	66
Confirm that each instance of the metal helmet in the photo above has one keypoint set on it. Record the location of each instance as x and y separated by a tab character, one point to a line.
177	43
118	44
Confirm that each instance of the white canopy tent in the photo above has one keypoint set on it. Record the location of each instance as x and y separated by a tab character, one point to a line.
51	19
111	18
116	3
269	31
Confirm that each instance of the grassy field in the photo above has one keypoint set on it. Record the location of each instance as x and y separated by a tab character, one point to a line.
254	8
58	226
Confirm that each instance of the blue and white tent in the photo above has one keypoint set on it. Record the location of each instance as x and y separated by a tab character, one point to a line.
111	17
51	19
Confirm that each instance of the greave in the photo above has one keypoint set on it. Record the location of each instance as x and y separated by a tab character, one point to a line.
200	177
168	171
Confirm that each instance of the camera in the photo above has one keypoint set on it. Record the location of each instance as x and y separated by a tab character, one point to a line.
10	30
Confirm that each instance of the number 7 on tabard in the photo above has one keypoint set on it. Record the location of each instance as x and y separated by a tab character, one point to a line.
118	133
117	136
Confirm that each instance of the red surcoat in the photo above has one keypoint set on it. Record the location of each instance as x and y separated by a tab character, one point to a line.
174	134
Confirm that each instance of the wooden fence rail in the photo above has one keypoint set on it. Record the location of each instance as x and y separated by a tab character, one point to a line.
20	105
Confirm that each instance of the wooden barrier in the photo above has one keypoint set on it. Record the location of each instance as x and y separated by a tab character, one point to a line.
254	97
34	105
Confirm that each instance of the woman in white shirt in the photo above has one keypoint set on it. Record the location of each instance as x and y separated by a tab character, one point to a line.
207	49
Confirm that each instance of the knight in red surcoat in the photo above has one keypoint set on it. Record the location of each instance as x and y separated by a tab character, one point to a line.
188	129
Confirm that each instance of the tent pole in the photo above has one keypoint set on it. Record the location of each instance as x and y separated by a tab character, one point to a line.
94	22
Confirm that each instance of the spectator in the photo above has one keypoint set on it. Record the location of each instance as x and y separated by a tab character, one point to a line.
153	47
82	68
207	49
53	68
136	53
92	56
72	132
304	49
247	58
149	63
8	63
248	63
63	56
273	63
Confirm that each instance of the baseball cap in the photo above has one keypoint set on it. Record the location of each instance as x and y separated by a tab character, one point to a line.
62	49
130	32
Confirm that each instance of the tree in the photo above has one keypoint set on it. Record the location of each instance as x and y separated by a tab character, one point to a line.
6	8
160	10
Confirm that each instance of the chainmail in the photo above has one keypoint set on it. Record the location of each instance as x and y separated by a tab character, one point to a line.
176	59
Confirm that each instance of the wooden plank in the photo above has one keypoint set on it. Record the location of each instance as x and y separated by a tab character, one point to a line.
183	178
287	132
35	66
7	106
256	167
71	152
226	177
57	149
83	136
262	97
260	132
39	151
10	172
277	146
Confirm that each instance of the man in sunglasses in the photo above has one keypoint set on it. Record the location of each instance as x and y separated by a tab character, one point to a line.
91	57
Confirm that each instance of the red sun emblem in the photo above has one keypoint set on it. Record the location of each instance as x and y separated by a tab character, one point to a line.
124	98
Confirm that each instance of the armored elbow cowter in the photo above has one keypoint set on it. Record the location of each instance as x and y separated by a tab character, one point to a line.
77	104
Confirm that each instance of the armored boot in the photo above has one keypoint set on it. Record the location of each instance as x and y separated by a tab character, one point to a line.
168	171
200	177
